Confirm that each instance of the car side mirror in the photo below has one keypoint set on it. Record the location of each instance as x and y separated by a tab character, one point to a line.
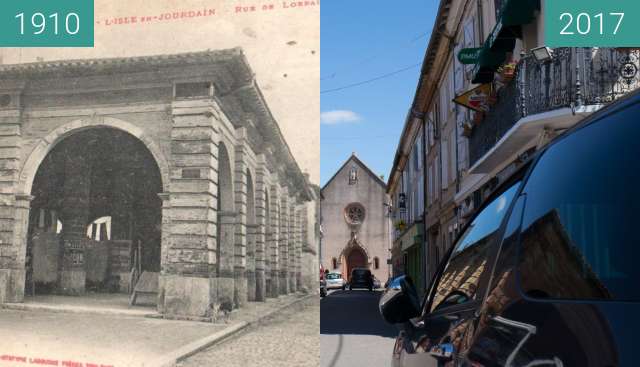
399	303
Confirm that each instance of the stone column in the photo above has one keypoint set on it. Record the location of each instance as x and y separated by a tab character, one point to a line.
75	215
189	251
284	239
274	244
240	195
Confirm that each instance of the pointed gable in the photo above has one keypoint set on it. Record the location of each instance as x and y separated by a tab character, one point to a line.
353	160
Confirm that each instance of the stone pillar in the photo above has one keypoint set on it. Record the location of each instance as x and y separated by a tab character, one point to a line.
284	239
189	251
75	215
14	219
250	272
299	245
165	245
293	243
14	209
273	244
306	254
240	195
259	233
225	275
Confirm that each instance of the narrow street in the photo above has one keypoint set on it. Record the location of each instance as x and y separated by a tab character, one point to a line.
290	340
352	332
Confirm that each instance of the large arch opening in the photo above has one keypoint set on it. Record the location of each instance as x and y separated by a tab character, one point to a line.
95	220
355	258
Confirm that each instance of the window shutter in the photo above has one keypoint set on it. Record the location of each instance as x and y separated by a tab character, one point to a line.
445	164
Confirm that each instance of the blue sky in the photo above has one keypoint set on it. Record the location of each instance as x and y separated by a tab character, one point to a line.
361	40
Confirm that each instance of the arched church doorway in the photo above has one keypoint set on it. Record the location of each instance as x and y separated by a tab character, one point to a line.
356	258
95	219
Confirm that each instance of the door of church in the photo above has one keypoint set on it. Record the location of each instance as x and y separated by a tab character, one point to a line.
356	259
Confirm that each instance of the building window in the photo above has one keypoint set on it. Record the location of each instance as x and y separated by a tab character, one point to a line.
354	213
334	263
376	263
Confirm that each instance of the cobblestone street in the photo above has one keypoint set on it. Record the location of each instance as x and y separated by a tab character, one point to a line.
291	339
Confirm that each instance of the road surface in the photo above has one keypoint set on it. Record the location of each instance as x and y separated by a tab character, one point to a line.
291	340
352	332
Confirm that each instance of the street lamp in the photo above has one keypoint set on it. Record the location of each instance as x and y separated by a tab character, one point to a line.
542	53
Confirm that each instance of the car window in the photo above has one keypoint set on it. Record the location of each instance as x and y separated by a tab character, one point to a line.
333	276
579	238
470	254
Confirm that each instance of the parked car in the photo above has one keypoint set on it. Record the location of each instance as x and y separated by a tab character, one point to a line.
361	278
545	274
335	281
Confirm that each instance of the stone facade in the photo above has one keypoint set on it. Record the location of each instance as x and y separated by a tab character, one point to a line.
360	237
230	193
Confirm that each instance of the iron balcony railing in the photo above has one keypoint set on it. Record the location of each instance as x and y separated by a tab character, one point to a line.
572	78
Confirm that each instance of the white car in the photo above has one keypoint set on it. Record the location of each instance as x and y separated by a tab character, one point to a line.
335	281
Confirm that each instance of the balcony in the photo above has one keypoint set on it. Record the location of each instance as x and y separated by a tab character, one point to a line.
548	94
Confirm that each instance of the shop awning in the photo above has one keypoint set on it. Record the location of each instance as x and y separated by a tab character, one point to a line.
513	14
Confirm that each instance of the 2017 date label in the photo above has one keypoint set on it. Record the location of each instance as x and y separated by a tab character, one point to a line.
591	23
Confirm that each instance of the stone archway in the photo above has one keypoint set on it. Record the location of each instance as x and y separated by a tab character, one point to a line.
82	173
47	143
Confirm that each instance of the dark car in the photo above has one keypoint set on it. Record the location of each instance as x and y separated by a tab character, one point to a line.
361	278
546	273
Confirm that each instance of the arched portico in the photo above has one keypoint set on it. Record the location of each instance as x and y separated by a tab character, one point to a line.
215	147
48	142
78	172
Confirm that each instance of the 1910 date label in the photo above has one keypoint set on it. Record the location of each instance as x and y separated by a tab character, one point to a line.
46	23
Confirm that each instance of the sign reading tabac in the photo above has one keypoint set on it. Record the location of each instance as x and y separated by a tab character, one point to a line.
476	98
469	55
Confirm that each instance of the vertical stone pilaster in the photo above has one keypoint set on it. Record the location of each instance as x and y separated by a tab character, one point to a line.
13	247
190	224
293	240
165	245
299	245
284	238
14	210
274	244
240	186
260	233
306	271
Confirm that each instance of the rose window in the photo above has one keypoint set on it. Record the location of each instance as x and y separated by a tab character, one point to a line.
354	213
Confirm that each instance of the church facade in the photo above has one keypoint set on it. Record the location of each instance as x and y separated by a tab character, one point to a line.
355	221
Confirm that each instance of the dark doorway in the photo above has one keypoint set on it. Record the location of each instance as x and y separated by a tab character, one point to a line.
356	259
95	209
